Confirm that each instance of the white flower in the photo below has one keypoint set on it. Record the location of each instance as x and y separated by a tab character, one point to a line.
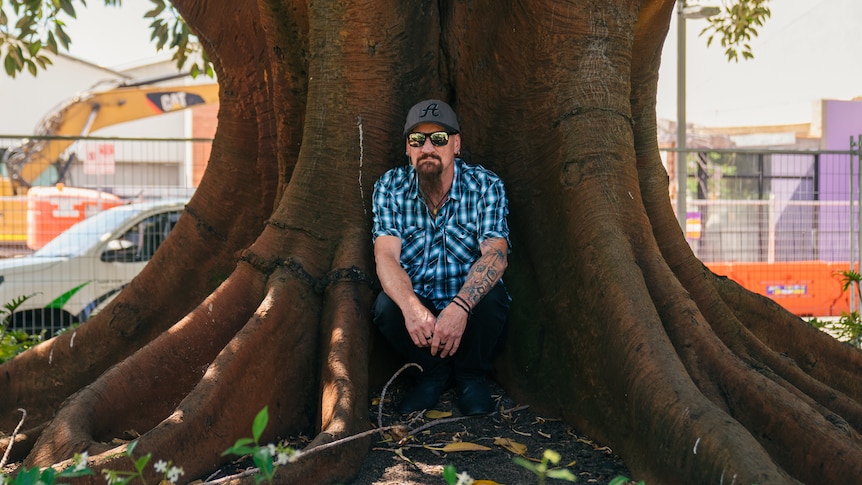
295	456
161	466
464	479
282	459
81	461
273	450
110	477
174	474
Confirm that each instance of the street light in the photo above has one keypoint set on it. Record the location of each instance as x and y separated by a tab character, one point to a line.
684	12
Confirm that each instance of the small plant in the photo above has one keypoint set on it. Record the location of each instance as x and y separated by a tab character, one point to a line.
542	469
79	468
621	480
170	473
13	342
266	458
452	477
49	476
849	325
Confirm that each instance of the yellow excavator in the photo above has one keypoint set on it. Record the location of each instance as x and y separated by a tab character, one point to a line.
85	113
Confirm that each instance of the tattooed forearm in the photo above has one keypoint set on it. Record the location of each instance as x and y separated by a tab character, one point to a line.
485	272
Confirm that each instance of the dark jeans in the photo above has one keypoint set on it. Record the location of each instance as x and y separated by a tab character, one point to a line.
481	342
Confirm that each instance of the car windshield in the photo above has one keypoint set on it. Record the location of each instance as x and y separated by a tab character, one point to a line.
81	237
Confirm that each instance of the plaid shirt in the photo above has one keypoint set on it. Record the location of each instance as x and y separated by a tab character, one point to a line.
437	252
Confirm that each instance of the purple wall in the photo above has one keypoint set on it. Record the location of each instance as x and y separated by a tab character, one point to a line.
840	120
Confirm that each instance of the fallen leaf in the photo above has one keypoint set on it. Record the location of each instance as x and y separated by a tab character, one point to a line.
513	446
400	453
434	414
460	446
398	432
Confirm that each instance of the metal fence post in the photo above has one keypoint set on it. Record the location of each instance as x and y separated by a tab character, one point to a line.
854	200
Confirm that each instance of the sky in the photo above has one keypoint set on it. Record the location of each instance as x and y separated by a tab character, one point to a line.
808	50
112	36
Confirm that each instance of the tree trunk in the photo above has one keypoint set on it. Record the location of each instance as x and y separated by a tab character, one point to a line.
261	295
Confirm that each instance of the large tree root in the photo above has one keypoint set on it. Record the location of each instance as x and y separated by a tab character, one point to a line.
808	427
154	379
209	401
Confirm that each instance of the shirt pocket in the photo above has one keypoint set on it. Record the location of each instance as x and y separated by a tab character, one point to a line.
412	246
462	243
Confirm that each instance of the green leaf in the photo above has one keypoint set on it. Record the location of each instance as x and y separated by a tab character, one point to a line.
62	36
263	461
34	47
562	474
49	475
10	65
141	462
240	448
450	474
72	473
28	476
24	23
619	480
66	6
159	8
52	43
130	448
259	424
552	456
524	463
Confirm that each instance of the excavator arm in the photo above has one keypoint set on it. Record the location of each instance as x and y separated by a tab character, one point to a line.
89	112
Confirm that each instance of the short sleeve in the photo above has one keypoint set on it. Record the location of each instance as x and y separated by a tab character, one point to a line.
384	208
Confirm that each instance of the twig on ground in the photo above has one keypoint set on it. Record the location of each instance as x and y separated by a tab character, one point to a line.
12	438
390	381
380	429
462	418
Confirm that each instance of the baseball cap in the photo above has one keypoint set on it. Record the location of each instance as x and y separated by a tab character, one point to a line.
432	111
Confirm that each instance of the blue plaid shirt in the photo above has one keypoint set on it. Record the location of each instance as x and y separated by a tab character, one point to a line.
437	252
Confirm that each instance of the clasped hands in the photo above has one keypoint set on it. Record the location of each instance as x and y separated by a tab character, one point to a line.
442	333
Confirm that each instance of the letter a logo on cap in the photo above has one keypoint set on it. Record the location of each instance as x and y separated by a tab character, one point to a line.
431	111
435	111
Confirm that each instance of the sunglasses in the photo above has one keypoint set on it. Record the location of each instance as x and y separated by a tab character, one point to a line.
438	138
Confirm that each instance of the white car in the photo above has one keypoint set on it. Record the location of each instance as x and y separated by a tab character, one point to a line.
81	270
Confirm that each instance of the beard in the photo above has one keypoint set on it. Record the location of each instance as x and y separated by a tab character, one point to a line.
429	169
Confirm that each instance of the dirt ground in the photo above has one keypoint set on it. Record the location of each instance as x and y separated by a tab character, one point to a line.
420	458
514	430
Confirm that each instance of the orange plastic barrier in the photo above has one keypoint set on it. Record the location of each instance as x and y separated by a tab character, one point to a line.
52	210
13	219
806	288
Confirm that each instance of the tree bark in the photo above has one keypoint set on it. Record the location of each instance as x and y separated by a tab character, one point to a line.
261	295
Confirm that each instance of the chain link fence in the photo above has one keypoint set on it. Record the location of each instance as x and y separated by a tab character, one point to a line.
784	224
80	217
781	223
